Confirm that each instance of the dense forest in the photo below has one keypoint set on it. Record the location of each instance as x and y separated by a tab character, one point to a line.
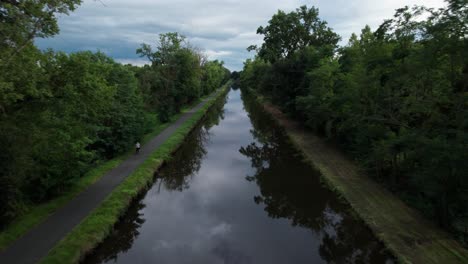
61	114
395	98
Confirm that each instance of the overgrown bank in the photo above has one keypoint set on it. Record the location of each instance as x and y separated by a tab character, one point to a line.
410	237
99	223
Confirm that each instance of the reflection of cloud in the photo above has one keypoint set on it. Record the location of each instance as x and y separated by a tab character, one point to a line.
217	26
229	255
220	230
162	244
332	221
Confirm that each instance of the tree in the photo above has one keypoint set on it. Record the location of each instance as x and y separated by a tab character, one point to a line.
176	70
179	74
214	74
288	33
22	21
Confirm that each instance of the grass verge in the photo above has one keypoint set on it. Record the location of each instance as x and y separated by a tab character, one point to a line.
97	226
407	234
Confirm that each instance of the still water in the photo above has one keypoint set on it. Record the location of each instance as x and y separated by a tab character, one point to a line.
236	192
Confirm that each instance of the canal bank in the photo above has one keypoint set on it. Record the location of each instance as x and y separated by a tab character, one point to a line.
91	215
237	191
409	236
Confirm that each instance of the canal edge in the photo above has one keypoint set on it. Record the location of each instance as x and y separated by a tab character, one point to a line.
84	237
413	250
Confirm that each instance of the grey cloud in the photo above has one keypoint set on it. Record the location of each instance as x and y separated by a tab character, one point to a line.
223	28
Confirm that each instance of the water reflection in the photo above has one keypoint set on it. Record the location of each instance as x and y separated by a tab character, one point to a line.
177	175
201	208
291	189
123	236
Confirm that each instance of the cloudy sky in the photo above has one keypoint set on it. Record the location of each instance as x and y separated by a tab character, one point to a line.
222	28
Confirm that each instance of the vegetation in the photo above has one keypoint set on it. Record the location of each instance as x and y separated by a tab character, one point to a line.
178	74
396	98
100	222
63	114
37	213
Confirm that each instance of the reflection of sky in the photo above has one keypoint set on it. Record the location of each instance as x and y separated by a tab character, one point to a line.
216	220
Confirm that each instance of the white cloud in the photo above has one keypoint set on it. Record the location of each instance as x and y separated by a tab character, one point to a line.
224	28
136	62
221	229
213	54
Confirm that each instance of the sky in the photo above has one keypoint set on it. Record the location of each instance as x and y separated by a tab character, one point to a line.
223	29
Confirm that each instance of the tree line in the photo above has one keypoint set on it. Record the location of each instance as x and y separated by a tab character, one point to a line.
395	98
61	114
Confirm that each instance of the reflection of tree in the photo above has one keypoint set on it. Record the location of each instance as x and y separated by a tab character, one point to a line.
291	189
347	243
286	185
186	161
121	239
215	115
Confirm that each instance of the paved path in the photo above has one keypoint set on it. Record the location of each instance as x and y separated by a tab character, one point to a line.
35	244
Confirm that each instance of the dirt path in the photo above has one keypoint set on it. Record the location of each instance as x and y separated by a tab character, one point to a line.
35	244
404	231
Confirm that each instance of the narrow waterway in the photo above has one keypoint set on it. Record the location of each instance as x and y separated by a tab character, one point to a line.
237	192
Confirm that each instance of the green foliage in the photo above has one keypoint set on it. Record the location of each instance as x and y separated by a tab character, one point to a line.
293	44
288	33
126	120
22	21
395	98
90	110
214	75
23	89
178	74
61	114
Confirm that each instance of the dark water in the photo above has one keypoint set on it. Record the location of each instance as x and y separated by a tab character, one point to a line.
236	192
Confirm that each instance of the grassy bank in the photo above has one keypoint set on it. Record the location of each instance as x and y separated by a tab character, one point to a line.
92	230
408	235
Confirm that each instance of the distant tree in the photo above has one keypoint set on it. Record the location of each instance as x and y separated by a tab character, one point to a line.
214	75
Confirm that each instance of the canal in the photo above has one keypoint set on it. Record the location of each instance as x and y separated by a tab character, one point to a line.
237	192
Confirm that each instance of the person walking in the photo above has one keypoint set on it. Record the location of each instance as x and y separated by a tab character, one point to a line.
137	146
